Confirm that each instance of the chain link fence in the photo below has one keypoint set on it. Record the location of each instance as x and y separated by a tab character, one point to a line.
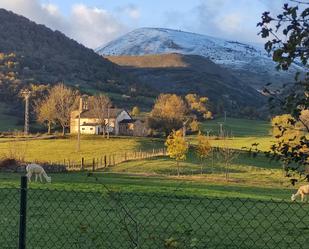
75	219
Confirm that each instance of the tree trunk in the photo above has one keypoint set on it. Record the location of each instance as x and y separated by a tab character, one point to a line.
63	130
103	133
49	128
178	171
184	130
201	166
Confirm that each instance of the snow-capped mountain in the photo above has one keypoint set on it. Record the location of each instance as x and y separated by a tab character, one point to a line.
247	61
163	41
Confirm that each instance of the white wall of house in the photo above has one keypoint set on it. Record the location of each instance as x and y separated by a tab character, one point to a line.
123	115
96	129
87	129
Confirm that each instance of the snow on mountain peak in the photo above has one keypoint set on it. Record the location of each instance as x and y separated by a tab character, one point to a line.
161	41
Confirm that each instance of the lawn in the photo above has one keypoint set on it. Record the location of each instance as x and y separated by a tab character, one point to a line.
238	127
242	133
109	210
143	204
57	150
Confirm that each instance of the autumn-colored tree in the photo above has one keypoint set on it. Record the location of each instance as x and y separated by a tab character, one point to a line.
194	126
285	126
177	147
65	100
46	112
100	105
203	148
168	113
288	133
10	84
198	106
135	111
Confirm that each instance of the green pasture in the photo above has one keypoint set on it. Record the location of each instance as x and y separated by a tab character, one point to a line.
59	149
234	127
107	210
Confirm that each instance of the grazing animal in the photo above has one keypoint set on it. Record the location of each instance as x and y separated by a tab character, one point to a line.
302	191
38	171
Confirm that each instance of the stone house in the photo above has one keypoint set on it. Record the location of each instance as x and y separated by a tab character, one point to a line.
118	122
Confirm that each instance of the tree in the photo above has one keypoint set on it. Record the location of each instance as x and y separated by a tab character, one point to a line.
135	111
203	148
194	126
198	106
282	126
177	147
228	155
168	113
288	41
65	101
100	105
46	112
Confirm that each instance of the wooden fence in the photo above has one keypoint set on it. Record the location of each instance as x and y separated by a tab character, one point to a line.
100	162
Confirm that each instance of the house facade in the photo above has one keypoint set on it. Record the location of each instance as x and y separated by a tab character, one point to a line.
133	127
117	121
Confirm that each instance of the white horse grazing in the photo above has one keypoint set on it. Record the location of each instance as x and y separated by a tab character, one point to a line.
38	171
303	191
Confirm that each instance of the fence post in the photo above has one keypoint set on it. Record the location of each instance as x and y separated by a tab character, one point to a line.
83	164
22	212
93	165
105	163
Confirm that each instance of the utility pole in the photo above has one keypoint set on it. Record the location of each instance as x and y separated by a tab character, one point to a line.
208	133
221	130
78	132
82	106
108	109
26	94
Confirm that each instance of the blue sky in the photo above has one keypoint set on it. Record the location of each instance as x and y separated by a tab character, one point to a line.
96	22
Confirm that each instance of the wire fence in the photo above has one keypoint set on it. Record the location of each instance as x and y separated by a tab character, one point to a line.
75	219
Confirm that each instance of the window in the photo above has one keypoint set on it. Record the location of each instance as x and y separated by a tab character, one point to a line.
83	129
91	128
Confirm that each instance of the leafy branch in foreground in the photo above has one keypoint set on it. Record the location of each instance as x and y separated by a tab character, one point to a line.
288	42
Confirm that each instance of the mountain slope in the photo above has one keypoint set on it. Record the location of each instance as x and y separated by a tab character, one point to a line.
47	56
247	62
182	74
34	54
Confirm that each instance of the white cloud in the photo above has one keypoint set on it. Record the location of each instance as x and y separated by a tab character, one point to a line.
90	26
132	11
51	9
219	18
93	26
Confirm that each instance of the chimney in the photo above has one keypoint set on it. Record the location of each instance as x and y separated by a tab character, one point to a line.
83	103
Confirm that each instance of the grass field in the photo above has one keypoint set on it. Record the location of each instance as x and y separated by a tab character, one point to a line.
79	213
143	204
238	127
56	150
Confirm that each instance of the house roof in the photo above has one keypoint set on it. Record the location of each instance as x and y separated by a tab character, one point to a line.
127	121
130	121
113	113
89	124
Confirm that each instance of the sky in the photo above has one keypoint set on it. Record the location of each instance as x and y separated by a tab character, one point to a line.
97	22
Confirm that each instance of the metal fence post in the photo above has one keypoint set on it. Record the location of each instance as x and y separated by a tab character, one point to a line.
22	212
